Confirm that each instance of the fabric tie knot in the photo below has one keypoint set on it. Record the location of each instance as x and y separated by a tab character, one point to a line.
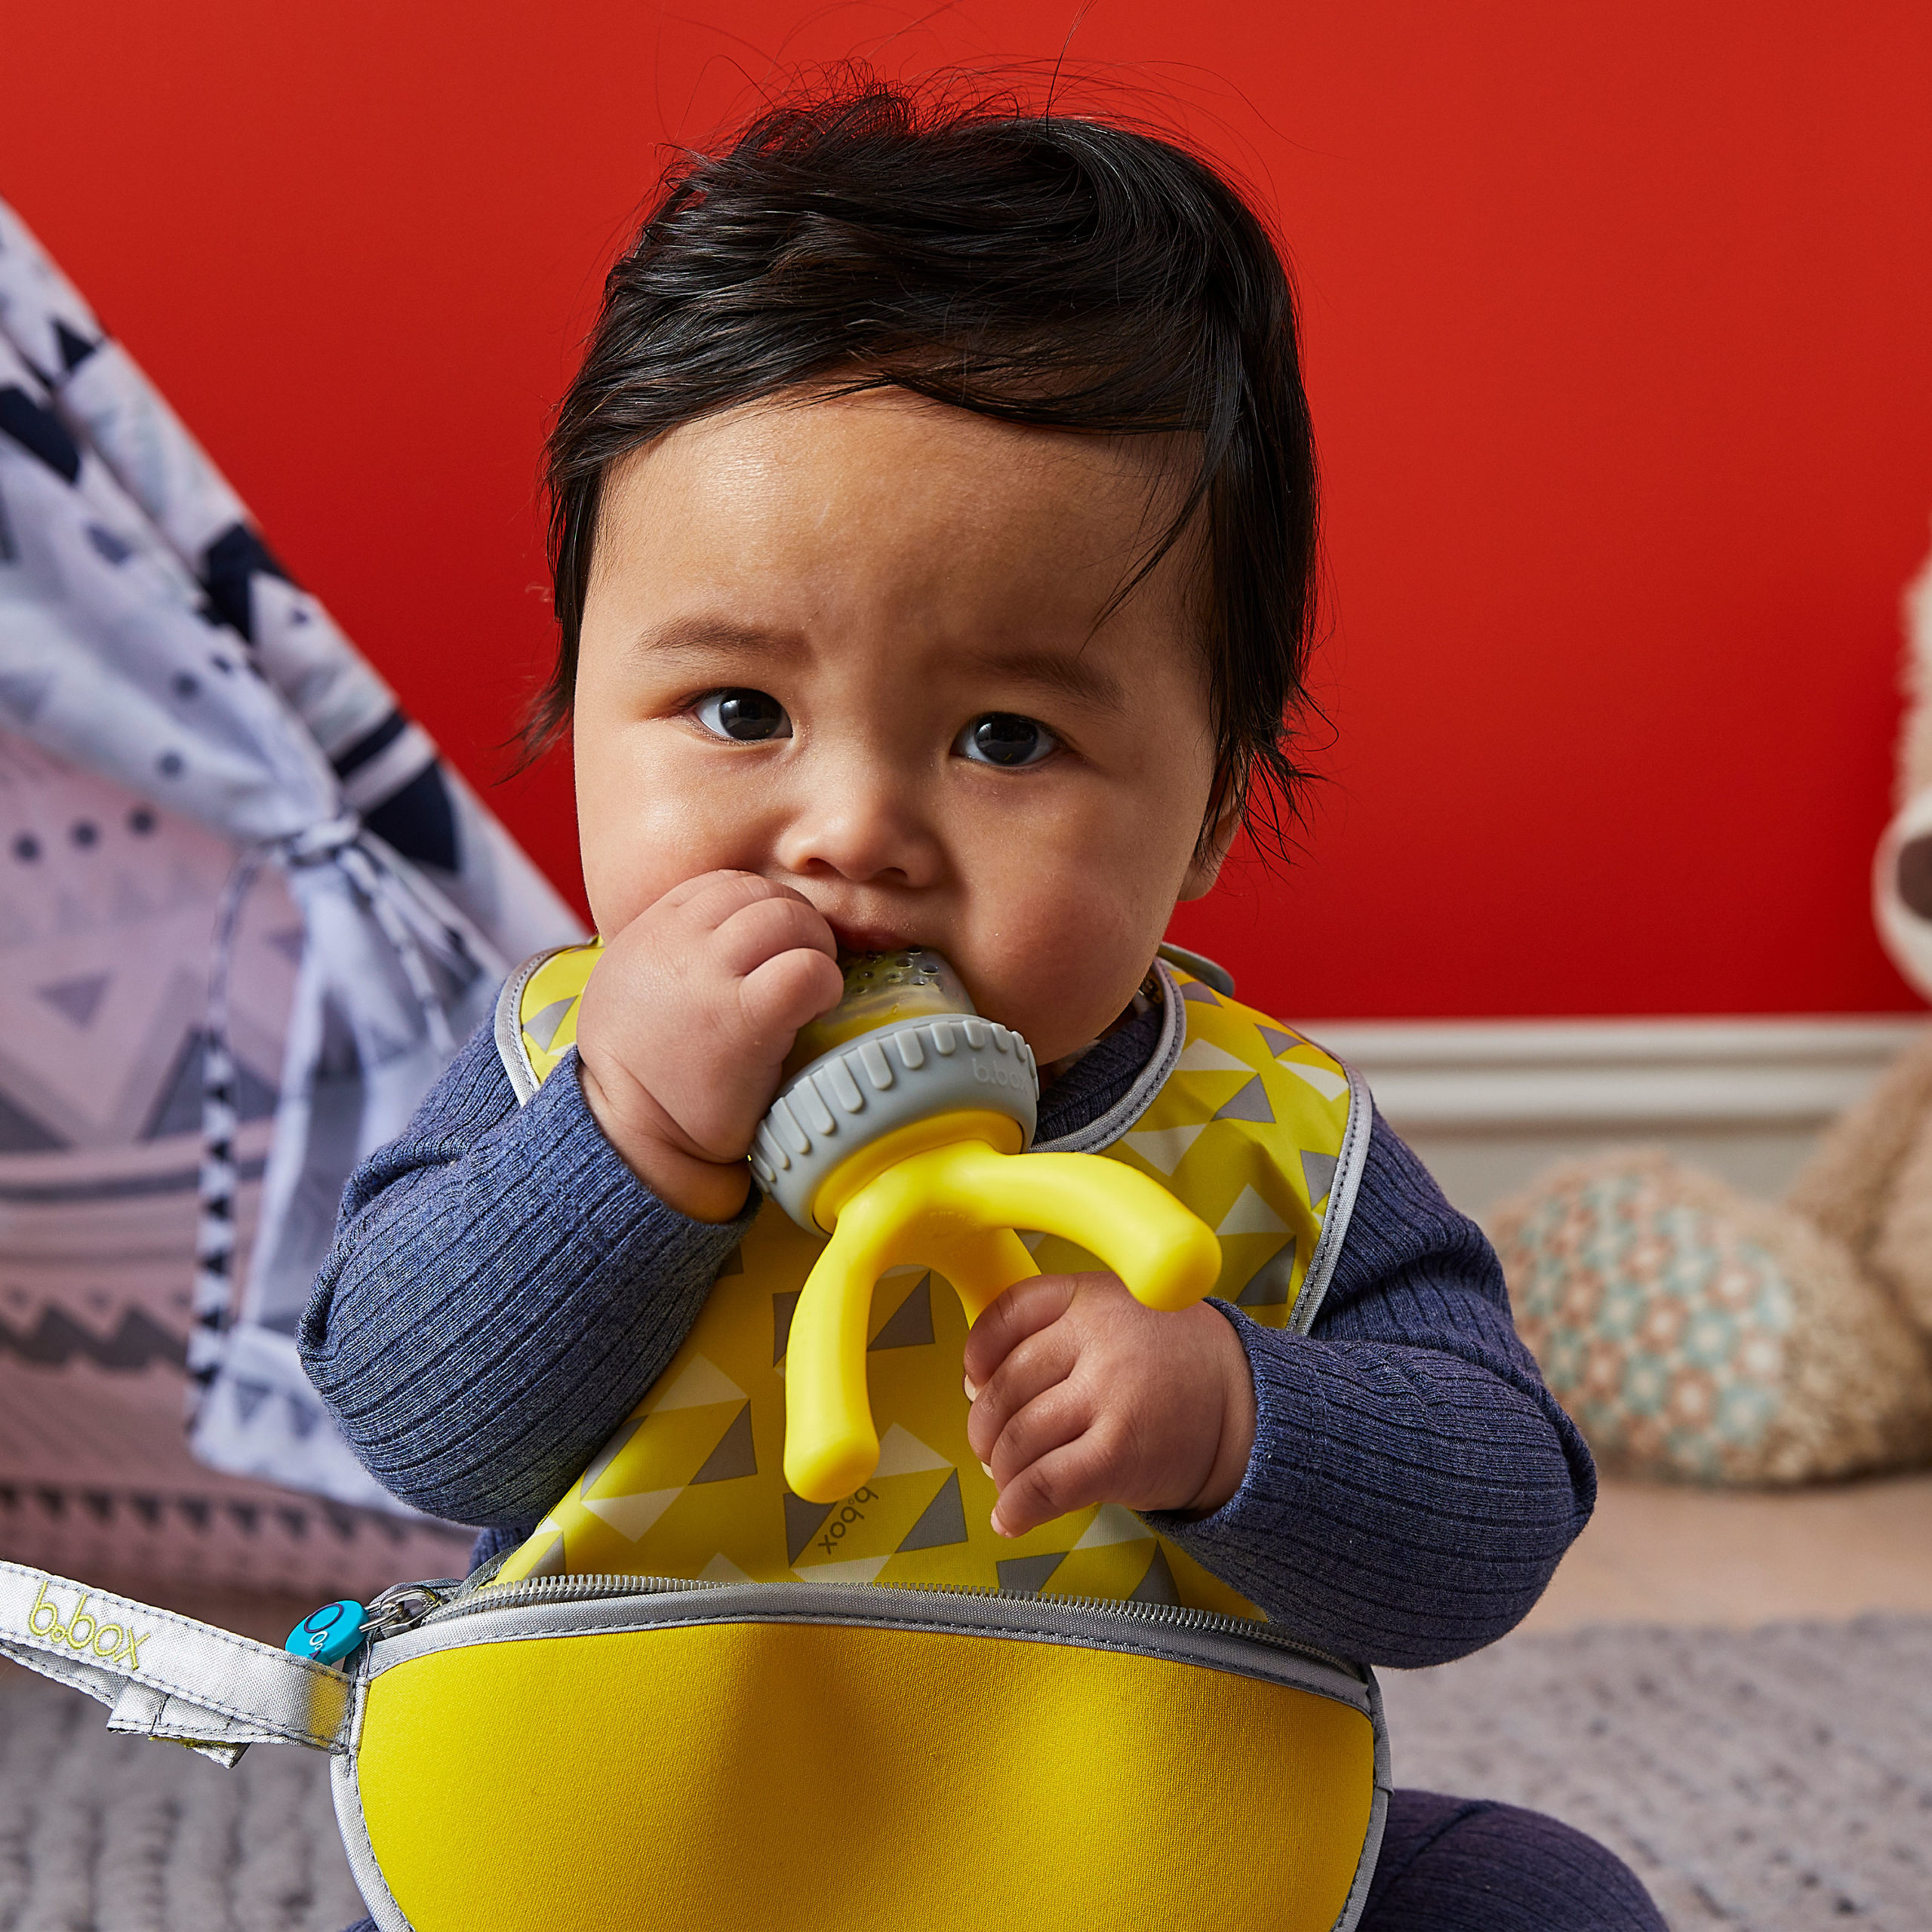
322	842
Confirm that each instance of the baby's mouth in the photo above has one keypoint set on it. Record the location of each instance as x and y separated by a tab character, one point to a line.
857	940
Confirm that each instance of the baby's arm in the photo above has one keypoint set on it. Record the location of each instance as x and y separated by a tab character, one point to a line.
1413	1484
505	1282
501	1289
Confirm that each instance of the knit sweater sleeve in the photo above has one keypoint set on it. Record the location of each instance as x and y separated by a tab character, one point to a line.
501	1290
1413	1483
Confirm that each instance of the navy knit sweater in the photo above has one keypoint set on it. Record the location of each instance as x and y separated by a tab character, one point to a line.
502	1289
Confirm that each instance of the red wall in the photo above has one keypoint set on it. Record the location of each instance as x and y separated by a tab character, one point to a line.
1617	326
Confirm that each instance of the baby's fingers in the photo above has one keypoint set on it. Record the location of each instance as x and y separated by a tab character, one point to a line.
763	927
777	998
1025	1308
705	902
1065	1478
997	1425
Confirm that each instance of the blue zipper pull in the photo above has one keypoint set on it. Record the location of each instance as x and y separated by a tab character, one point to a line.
328	1634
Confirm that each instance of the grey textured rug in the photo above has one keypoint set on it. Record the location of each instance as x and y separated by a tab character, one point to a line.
1780	1781
106	1833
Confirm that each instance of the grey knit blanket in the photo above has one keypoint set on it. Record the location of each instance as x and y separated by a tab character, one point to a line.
1781	1780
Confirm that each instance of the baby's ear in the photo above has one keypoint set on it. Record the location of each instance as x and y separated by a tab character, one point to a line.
1223	822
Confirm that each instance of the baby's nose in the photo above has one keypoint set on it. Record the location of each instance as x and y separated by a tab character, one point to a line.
868	832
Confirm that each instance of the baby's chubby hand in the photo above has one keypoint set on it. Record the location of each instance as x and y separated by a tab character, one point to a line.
1081	1395
686	1023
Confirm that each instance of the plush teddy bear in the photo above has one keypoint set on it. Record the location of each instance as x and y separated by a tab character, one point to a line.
1697	1334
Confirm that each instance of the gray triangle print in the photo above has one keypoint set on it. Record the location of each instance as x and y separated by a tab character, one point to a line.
801	1523
177	1107
1250	1103
942	1521
542	1027
784	1306
1270	1285
1278	1042
734	1456
21	1133
551	1563
911	1324
608	1454
1158	1586
78	1000
1319	1171
1029	1573
1200	993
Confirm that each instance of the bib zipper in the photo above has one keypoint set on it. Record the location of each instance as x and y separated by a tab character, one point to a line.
417	1606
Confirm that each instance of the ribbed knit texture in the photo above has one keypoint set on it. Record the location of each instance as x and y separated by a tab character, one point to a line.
1466	1865
502	1289
1099	1077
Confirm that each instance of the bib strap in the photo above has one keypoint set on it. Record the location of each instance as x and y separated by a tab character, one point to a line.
167	1676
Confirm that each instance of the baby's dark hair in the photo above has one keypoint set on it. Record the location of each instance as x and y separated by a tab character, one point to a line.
1034	267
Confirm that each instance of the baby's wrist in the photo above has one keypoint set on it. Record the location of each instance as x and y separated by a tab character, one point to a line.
1235	1444
699	1189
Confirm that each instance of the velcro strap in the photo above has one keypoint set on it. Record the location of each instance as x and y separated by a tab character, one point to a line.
167	1676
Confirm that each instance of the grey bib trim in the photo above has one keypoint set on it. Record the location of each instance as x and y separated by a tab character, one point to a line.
605	1606
345	1790
1342	1192
510	1049
1151	1077
1216	975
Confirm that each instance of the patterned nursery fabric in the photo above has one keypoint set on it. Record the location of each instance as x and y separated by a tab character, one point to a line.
170	701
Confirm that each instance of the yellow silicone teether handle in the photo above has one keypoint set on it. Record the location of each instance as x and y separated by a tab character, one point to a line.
953	1208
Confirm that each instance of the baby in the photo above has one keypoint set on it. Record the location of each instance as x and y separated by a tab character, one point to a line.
933	538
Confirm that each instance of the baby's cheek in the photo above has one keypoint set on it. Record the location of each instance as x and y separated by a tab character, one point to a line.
1061	968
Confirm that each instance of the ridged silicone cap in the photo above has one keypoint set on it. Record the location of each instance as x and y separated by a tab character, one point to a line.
885	1079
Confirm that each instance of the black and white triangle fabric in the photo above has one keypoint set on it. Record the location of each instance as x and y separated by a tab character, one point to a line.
148	635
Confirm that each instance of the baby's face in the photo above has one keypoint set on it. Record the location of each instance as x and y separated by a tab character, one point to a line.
850	645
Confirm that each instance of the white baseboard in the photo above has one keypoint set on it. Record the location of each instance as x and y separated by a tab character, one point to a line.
1580	1073
1487	1104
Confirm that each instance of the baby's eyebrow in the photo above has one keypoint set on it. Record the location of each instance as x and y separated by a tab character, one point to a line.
700	633
1069	673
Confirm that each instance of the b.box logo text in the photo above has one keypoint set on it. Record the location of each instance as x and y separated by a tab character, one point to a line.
111	1643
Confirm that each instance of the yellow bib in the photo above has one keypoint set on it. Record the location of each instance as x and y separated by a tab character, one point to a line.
687	1701
1252	1127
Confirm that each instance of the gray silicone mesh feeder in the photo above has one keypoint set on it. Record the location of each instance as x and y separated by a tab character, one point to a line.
903	1045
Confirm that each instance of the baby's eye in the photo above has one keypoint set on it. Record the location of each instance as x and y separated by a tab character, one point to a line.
1004	737
748	716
